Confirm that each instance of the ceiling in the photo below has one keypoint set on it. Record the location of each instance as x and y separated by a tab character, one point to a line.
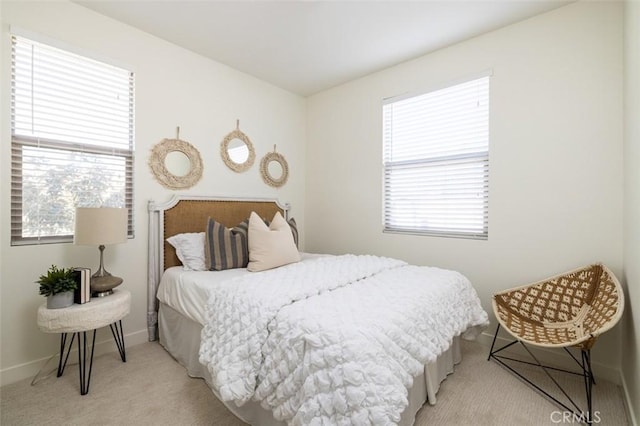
308	46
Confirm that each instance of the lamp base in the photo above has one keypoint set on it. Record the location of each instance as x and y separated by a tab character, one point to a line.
103	286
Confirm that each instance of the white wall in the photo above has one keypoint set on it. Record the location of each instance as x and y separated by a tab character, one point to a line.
174	87
556	180
631	331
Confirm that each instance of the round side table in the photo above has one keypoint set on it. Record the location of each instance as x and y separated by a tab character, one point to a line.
77	320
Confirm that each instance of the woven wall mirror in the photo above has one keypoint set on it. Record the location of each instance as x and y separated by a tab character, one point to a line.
175	163
237	151
274	169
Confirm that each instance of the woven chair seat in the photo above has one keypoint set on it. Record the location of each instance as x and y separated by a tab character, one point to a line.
571	309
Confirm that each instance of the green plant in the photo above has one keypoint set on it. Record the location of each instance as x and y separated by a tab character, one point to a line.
57	280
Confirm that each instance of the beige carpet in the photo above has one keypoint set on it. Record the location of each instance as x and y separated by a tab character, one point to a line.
152	389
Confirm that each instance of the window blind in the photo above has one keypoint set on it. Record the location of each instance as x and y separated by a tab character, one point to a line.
71	140
436	161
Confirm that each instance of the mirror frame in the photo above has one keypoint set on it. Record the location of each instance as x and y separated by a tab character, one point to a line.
224	152
167	179
264	169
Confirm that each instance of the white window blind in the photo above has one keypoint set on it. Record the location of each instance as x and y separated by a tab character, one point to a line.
436	162
71	140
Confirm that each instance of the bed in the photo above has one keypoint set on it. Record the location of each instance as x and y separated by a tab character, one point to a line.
326	340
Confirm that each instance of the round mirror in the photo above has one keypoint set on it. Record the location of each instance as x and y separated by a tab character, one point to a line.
176	164
237	151
274	169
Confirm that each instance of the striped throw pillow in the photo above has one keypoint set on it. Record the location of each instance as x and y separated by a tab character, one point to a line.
226	248
294	230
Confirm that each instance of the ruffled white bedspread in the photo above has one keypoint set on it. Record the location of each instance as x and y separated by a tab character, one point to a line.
336	340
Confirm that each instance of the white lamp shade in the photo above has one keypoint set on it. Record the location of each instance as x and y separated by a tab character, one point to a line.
100	226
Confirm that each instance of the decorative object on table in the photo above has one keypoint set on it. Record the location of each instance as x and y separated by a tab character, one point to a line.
82	293
100	226
274	169
58	285
237	151
175	163
569	310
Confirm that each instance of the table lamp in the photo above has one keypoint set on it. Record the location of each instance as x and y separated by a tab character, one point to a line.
100	226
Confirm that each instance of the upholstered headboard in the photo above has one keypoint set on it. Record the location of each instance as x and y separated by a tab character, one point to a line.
190	214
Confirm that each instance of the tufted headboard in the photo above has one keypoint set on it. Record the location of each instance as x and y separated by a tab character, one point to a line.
183	213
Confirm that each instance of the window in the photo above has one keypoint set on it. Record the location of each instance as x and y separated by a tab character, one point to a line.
71	140
436	162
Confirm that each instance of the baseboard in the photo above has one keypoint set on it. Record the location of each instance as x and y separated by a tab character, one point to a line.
557	358
30	369
627	399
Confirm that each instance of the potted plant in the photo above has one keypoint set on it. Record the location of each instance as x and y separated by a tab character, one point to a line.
58	285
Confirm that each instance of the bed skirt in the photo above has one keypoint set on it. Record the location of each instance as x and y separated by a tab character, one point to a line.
180	336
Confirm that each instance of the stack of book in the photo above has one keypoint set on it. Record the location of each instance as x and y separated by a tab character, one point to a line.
82	293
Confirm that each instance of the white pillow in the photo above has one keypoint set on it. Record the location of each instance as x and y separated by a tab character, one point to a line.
270	247
190	250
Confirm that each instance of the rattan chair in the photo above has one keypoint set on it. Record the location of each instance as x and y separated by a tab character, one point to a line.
568	310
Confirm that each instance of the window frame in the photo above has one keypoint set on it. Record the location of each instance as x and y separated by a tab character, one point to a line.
429	163
20	142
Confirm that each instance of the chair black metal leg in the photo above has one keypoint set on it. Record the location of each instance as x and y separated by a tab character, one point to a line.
588	382
588	355
118	337
495	336
492	352
544	368
586	372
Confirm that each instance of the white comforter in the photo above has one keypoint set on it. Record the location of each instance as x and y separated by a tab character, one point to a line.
336	340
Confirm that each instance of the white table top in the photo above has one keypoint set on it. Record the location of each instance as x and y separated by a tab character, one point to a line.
99	312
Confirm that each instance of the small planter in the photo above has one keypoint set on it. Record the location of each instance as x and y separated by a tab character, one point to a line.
60	300
58	285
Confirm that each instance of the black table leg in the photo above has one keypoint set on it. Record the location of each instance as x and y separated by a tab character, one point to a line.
85	379
118	337
62	363
85	376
